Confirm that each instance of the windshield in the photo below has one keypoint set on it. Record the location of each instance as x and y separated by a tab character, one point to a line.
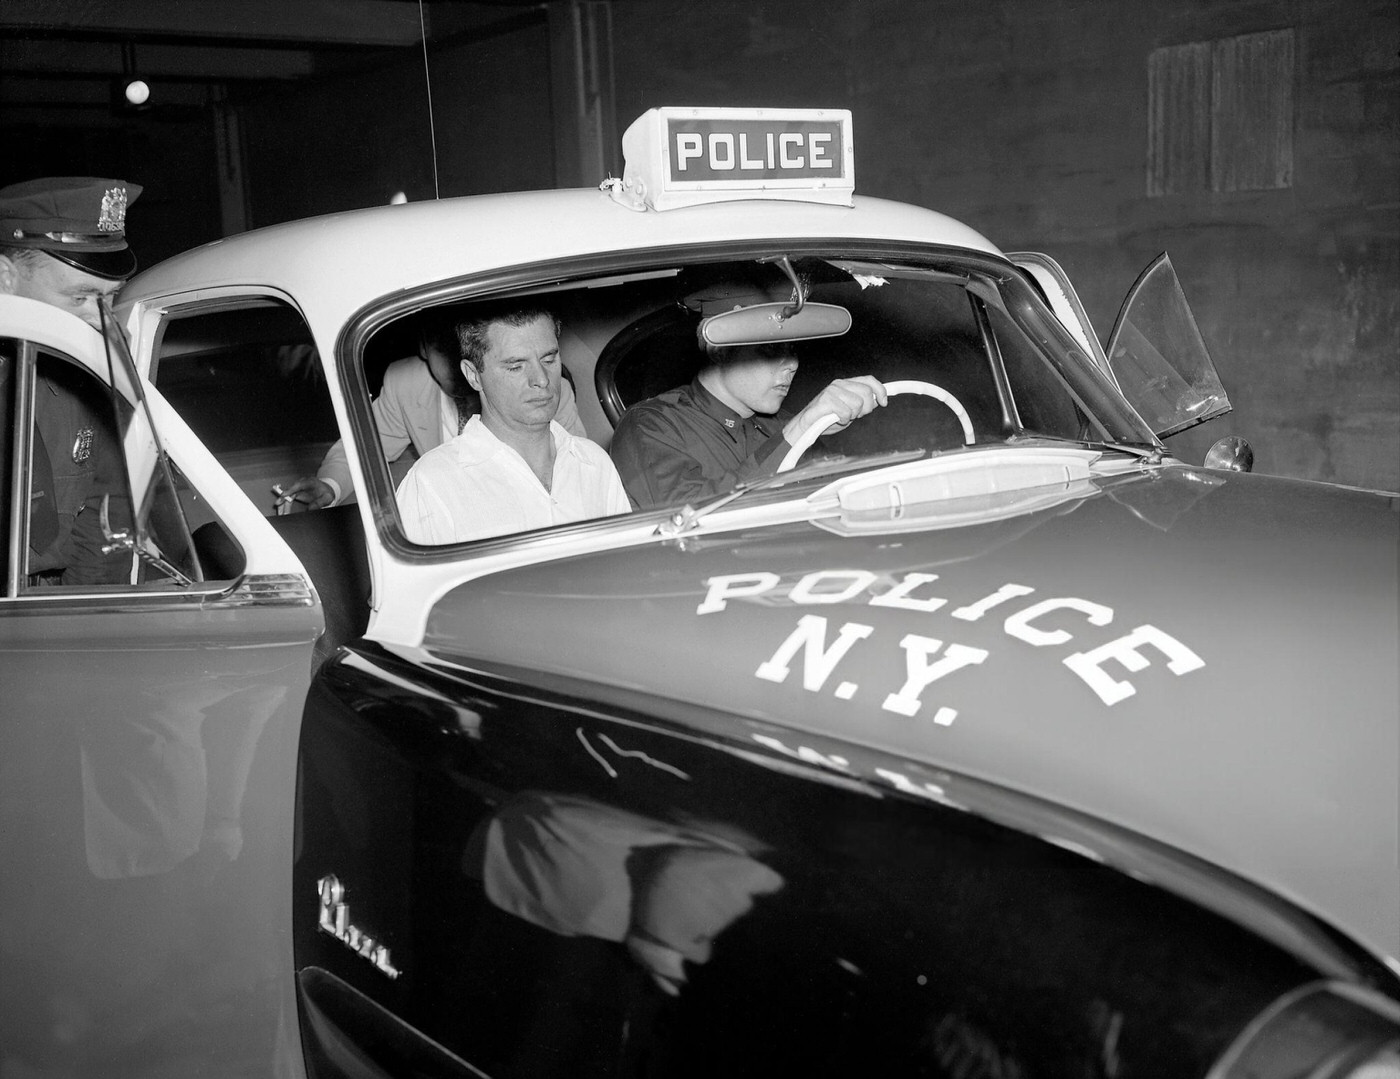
977	358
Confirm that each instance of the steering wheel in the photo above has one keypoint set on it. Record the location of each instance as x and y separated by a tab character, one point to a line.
924	389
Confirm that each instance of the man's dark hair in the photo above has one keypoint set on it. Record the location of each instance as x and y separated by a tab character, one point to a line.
440	333
471	334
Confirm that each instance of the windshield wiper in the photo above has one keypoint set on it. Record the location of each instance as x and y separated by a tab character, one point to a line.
1150	452
689	517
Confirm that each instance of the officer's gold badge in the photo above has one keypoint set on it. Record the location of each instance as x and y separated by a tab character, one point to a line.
113	215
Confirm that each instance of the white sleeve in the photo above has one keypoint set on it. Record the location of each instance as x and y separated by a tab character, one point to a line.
425	516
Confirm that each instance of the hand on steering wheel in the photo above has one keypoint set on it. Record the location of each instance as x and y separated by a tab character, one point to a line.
924	389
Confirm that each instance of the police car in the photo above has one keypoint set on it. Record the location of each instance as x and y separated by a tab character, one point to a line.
983	738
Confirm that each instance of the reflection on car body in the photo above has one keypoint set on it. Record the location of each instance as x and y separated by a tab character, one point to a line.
986	739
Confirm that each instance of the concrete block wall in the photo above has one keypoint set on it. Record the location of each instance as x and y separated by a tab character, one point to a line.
1028	119
354	140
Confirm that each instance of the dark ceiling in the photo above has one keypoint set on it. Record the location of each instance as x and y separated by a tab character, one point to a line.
59	59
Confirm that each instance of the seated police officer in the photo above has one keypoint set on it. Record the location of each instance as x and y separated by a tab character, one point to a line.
728	426
63	242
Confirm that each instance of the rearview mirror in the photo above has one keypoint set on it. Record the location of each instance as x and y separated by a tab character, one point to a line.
765	324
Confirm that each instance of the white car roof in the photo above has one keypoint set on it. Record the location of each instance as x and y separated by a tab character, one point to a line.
336	264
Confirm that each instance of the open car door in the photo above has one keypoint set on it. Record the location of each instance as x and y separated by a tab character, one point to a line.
154	677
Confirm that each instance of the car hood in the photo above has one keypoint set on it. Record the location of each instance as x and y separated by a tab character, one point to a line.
1208	659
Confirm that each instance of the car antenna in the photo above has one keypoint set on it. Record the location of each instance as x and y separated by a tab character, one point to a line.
428	84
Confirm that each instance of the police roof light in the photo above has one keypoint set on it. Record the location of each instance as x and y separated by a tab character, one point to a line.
687	156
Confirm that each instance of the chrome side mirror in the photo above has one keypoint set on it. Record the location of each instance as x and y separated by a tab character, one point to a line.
1231	454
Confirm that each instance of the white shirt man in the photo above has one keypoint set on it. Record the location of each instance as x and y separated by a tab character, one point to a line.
513	467
417	406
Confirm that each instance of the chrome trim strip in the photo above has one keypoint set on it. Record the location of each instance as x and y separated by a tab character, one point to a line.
250	590
271	590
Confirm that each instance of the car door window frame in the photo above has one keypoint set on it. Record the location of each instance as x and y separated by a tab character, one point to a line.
28	353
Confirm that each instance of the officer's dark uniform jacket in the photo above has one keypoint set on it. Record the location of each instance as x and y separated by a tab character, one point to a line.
685	446
76	462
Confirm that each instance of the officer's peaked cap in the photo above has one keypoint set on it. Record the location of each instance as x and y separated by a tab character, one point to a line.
80	220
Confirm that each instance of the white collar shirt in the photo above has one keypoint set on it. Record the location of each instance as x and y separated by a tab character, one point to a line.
474	485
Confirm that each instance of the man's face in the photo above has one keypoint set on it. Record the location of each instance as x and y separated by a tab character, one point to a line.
66	287
758	377
519	376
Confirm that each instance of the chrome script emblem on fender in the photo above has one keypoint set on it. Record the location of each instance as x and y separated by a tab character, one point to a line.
335	920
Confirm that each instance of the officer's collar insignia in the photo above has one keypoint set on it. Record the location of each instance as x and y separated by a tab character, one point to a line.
728	422
113	216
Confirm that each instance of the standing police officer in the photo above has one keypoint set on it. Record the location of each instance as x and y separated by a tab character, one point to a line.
63	242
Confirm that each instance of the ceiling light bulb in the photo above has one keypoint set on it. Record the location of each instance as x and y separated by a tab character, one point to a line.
137	92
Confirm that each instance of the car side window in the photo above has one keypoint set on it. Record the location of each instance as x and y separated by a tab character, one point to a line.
245	375
70	491
67	510
248	381
1043	400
